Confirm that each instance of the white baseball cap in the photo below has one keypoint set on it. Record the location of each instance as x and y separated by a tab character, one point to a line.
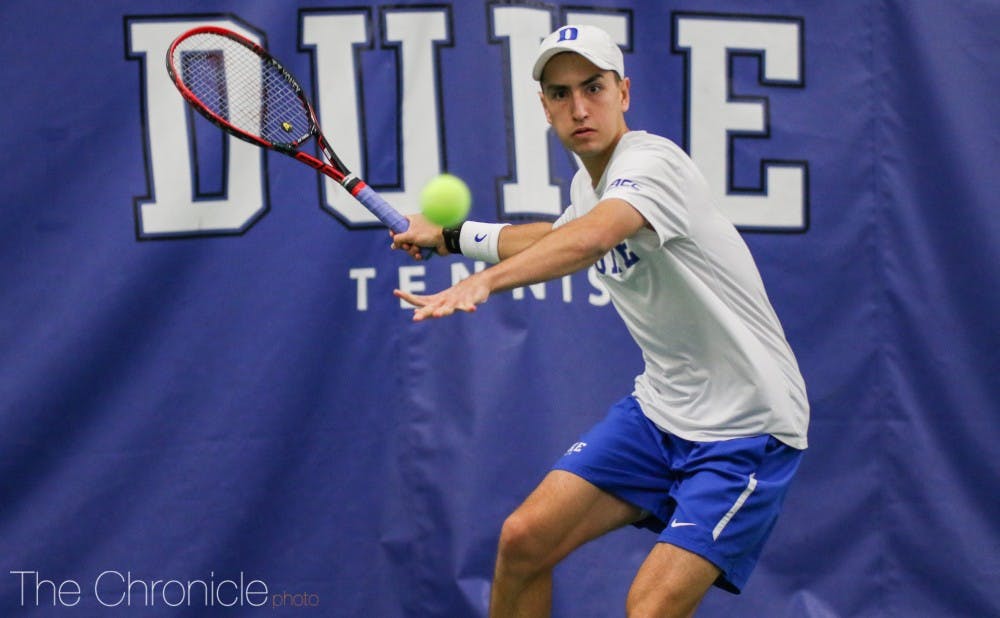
590	42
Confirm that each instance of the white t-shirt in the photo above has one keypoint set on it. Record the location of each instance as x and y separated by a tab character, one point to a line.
717	364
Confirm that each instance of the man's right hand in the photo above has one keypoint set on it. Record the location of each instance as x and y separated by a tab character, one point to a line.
421	234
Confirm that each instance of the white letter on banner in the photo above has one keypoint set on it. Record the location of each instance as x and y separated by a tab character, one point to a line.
409	281
530	191
714	114
362	275
173	208
333	37
615	24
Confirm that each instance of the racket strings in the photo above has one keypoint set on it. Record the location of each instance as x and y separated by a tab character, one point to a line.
239	86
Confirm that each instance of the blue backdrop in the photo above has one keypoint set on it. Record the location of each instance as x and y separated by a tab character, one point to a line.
210	398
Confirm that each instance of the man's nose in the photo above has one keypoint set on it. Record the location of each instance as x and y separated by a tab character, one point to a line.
579	106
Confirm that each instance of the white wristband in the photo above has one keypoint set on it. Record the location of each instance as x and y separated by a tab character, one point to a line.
481	241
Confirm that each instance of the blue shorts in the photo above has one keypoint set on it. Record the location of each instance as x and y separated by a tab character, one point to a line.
719	500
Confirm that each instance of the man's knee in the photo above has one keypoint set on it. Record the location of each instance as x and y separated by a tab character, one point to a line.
523	546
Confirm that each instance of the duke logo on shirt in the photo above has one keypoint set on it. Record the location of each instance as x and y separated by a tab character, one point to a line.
617	261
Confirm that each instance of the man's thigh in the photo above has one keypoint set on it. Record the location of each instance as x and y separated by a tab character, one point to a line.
565	511
671	582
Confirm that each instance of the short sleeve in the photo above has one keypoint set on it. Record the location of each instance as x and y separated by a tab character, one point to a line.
654	182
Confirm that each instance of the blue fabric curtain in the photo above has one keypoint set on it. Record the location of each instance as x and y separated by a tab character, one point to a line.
243	413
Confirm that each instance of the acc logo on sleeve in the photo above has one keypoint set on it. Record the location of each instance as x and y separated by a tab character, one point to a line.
625	183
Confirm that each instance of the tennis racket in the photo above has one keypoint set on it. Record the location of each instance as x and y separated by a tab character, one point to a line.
245	91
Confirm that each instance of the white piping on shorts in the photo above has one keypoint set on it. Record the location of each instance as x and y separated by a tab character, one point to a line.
719	527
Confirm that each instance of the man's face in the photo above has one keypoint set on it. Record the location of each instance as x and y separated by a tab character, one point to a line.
584	104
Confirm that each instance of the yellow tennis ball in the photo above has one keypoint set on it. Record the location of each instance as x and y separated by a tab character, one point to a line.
445	200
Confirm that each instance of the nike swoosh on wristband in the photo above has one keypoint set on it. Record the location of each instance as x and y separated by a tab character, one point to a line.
678	524
480	237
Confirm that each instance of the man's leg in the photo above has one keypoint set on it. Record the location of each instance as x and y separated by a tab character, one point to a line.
563	513
670	584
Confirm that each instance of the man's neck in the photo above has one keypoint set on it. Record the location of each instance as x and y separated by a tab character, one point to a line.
596	165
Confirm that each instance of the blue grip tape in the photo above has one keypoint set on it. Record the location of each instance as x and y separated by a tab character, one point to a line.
387	214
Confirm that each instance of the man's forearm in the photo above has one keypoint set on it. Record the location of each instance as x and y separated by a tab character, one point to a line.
516	238
550	256
545	253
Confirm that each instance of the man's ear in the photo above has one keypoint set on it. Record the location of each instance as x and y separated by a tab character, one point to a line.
545	107
625	87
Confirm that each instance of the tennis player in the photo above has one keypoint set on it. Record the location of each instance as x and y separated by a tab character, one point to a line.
704	448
